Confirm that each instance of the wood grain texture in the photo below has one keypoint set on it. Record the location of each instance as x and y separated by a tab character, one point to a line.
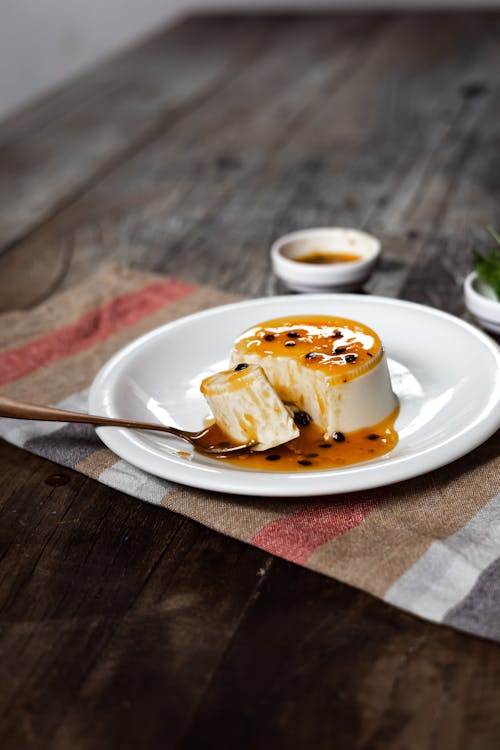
52	152
122	624
347	138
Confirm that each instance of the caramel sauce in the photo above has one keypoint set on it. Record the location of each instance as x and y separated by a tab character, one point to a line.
338	346
323	257
310	451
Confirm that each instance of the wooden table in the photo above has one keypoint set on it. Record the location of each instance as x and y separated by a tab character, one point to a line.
188	155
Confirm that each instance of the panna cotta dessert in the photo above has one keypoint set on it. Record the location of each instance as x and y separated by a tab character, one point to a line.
311	392
247	408
334	369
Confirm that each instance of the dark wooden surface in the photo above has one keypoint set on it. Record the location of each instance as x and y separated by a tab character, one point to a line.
188	156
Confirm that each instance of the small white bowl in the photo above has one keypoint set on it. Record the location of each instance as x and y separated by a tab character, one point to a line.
481	301
336	277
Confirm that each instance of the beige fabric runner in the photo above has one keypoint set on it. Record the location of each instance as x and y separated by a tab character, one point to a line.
430	545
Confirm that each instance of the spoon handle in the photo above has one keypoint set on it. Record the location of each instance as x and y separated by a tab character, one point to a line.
12	408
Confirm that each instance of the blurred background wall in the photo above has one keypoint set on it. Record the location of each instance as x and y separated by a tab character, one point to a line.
45	42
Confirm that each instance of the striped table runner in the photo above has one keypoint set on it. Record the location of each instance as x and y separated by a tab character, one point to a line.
430	546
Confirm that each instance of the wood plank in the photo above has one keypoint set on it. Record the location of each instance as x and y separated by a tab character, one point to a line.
58	535
238	174
167	647
182	178
317	664
104	597
459	196
55	150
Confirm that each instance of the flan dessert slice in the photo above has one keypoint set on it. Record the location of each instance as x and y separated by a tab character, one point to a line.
247	408
334	369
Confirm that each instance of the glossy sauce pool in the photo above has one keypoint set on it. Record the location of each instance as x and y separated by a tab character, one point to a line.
324	257
310	452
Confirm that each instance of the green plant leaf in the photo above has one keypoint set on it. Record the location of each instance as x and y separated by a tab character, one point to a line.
487	265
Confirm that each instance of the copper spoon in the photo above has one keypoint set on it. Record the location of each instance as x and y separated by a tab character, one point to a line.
9	407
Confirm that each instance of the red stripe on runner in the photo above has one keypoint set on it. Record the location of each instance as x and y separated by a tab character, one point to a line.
297	536
94	326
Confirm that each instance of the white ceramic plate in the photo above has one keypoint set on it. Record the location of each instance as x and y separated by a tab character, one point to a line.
445	372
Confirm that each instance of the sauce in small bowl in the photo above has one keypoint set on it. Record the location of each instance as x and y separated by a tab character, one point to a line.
327	259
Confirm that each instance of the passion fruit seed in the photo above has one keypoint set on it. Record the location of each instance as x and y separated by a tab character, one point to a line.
302	419
304	462
373	436
336	335
290	343
325	445
339	437
273	457
269	337
311	355
241	366
350	358
293	335
340	350
312	455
